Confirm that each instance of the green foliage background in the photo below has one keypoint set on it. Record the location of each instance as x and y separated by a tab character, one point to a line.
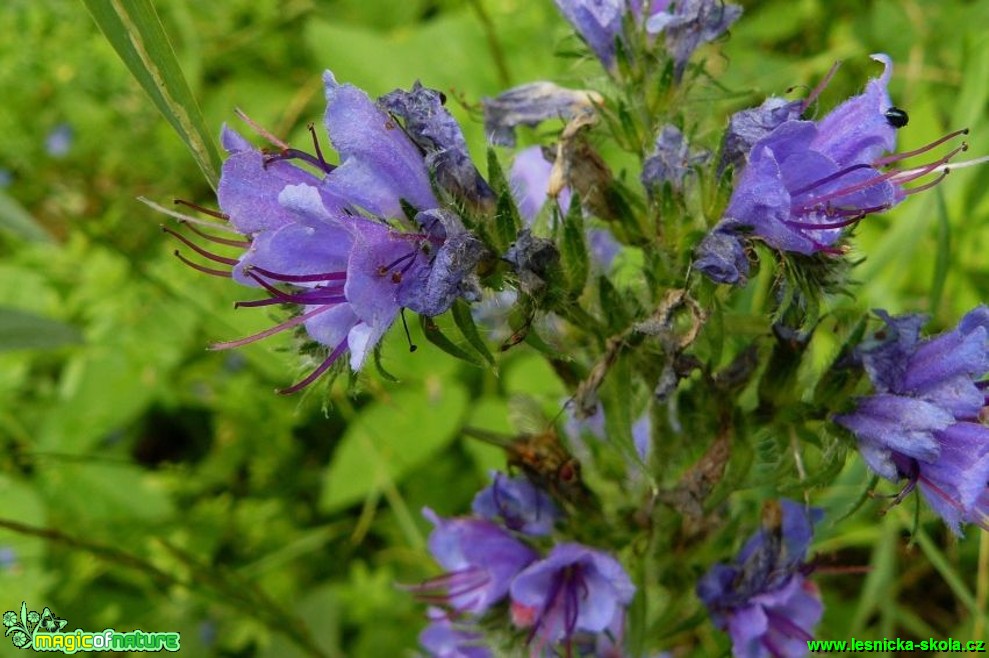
147	483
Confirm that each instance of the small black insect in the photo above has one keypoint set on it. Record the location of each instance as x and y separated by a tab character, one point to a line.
897	117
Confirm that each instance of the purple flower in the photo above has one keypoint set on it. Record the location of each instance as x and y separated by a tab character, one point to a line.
444	638
721	256
598	22
671	160
747	127
309	244
529	181
517	504
379	164
437	133
805	182
764	600
575	588
924	421
531	104
689	23
481	560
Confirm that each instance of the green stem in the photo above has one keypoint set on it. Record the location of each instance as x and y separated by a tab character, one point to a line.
497	54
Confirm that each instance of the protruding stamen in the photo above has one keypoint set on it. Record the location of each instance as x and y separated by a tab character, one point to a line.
202	268
927	186
816	91
907	175
259	130
827	179
859	215
310	297
288	324
199	250
186	219
896	157
296	154
199	208
324	165
218	240
299	278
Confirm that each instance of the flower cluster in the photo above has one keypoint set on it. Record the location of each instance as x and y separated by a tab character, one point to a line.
595	261
571	594
925	421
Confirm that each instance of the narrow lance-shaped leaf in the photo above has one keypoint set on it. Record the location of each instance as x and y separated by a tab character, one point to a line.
21	330
134	30
465	322
16	220
576	263
436	336
506	223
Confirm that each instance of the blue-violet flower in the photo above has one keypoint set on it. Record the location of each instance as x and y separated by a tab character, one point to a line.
764	600
806	181
481	560
517	504
925	420
327	240
575	588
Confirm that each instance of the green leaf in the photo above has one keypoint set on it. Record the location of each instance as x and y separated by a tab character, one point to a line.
576	262
506	223
436	336
16	220
389	439
134	30
20	330
465	322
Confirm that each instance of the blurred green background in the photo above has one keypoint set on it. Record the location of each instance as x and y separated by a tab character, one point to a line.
178	492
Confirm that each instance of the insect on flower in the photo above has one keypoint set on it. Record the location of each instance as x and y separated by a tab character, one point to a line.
543	459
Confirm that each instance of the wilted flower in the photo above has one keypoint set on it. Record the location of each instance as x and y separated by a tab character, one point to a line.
444	638
747	127
671	160
308	245
575	588
481	560
437	133
804	182
924	421
531	104
687	24
517	504
721	256
764	600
